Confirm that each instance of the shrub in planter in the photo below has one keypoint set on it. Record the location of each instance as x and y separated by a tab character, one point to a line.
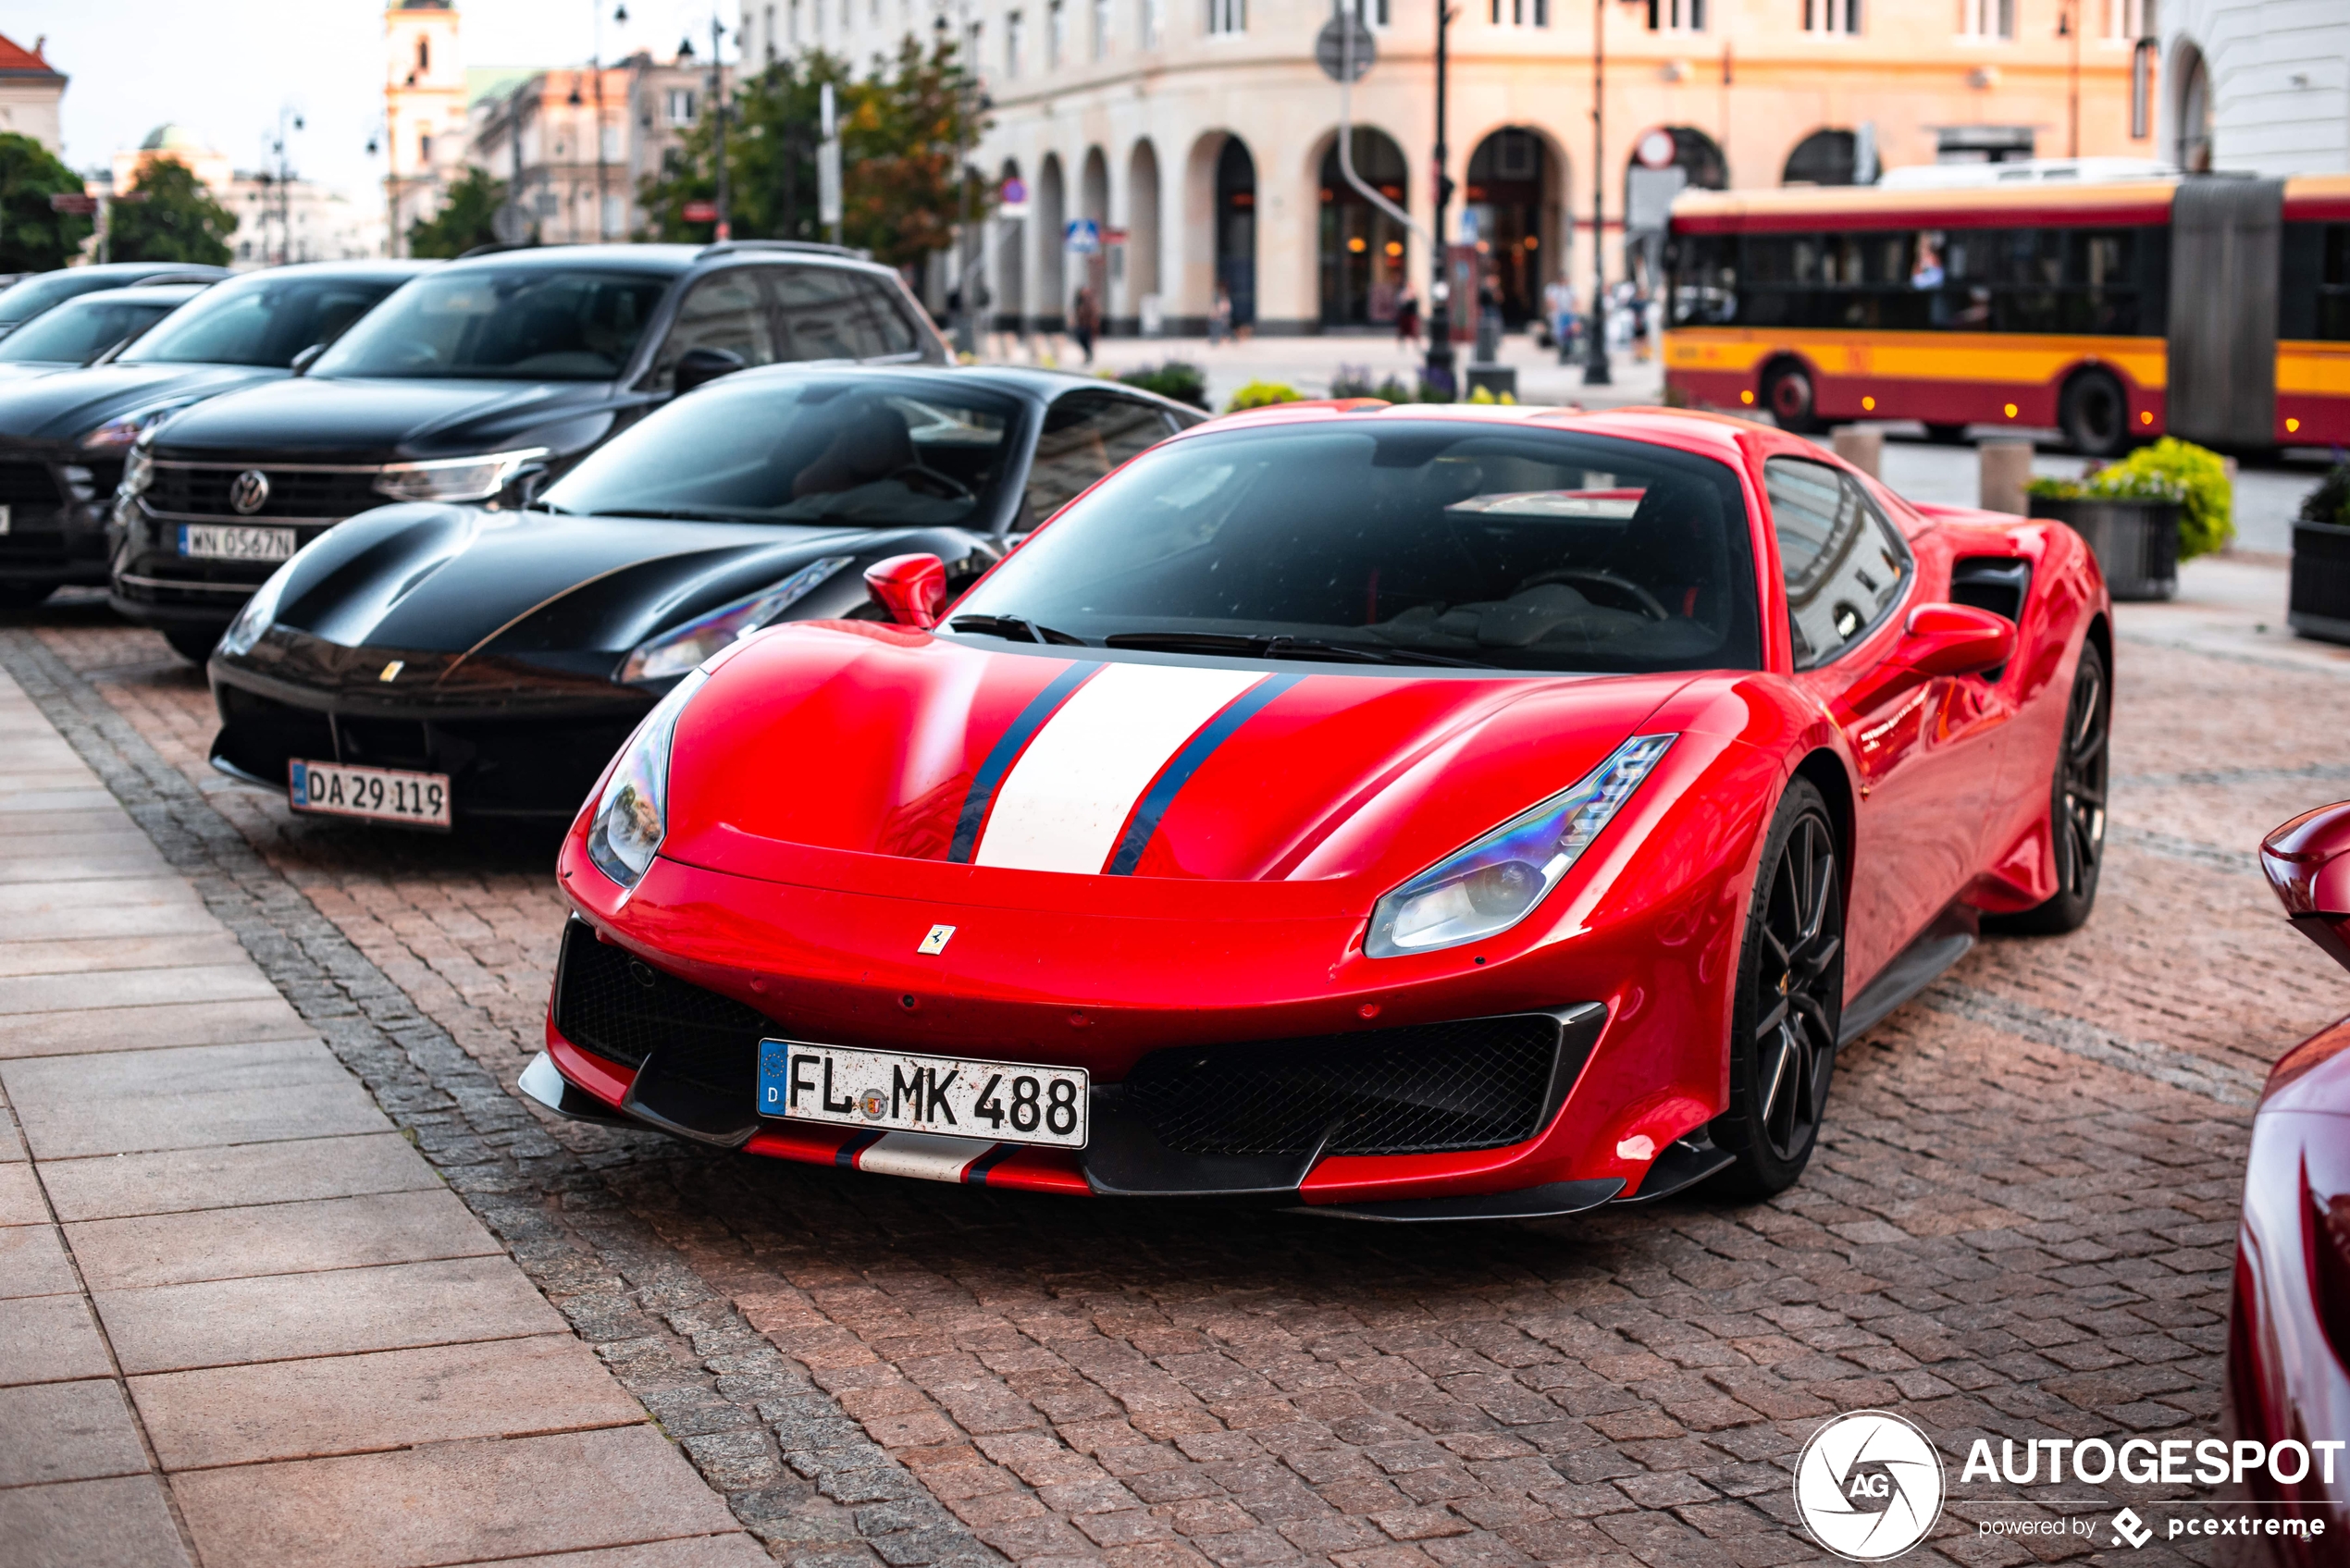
2133	521
2318	604
1184	382
1263	394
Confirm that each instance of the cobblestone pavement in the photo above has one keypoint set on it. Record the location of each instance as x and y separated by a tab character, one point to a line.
2019	1224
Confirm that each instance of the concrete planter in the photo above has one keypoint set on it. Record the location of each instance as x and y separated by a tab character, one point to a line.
2318	604
2137	542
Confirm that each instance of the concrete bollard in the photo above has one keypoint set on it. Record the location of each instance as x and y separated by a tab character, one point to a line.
2006	468
1862	446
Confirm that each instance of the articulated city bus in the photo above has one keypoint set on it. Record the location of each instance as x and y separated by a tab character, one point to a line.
2214	308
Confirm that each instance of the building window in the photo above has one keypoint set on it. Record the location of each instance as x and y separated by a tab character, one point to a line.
1676	16
1844	16
1227	16
795	23
1056	35
681	106
1985	18
1521	13
2129	19
1149	19
1370	13
423	56
1015	31
1101	30
424	150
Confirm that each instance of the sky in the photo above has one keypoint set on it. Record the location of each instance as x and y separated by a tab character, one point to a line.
225	69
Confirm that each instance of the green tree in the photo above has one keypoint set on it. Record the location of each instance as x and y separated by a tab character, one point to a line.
32	237
900	129
173	218
463	223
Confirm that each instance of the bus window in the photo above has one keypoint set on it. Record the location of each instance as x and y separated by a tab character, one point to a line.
1704	279
2333	285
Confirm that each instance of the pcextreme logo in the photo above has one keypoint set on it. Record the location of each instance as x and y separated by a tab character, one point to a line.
1869	1485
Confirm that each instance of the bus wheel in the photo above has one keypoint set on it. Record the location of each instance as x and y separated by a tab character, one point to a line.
1787	392
2094	413
1945	435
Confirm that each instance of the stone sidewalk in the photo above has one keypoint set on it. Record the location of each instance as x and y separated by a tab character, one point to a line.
242	1320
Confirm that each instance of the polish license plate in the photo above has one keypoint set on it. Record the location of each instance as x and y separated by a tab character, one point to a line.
384	795
898	1092
222	541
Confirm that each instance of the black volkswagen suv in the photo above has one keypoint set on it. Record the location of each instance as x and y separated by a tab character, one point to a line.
479	382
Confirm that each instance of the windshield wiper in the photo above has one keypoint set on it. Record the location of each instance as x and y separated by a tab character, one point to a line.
1013	628
1281	646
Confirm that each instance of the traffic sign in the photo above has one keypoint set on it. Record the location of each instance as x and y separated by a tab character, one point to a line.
73	202
509	224
1657	149
698	211
1014	192
1082	238
1331	48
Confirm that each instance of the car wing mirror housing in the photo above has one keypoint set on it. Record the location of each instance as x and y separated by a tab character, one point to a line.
1955	639
698	367
911	588
2307	861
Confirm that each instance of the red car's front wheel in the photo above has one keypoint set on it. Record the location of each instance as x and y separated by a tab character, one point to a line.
1790	1000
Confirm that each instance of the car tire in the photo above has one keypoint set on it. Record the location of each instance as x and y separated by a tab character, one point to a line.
2076	807
2094	413
1789	1002
194	644
25	595
1787	394
1945	435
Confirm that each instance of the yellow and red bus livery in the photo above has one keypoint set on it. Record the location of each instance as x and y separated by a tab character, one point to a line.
2215	308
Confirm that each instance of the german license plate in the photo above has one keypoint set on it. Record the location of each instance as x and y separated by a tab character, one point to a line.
223	541
897	1091
384	795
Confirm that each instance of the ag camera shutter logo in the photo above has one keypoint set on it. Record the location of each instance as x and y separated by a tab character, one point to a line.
1869	1485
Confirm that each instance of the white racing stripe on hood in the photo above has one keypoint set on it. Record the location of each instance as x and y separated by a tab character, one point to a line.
1061	806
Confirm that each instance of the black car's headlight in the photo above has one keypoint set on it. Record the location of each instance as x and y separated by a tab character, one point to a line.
456	479
1491	884
679	650
259	614
632	811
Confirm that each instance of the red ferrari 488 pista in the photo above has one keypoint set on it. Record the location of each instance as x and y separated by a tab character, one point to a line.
1402	813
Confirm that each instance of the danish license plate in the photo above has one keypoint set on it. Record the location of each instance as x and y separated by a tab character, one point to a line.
222	541
897	1091
384	795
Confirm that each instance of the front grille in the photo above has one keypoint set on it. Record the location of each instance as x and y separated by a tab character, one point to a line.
1481	1083
613	1003
203	492
27	484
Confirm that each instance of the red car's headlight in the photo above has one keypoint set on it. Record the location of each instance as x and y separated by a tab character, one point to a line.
631	813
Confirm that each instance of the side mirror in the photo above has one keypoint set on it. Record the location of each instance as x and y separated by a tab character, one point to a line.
308	357
2307	861
1955	639
698	366
912	588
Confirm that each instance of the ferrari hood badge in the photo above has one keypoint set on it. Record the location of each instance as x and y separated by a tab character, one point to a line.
936	942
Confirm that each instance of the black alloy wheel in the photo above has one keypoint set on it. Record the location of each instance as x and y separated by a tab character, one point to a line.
1790	1000
1787	392
2095	412
2076	807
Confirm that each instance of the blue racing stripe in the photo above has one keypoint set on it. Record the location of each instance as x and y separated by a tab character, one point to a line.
1005	752
976	1172
859	1142
1180	768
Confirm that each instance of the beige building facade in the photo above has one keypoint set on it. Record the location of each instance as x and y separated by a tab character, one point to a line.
31	90
1200	136
424	111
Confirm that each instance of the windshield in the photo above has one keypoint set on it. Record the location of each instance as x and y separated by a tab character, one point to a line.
859	450
261	320
30	296
531	324
76	330
1414	542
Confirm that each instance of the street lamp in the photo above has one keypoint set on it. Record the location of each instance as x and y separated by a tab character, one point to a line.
286	117
1440	273
1595	367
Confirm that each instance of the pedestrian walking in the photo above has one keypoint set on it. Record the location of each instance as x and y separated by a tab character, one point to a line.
1558	304
1085	319
1219	316
1407	319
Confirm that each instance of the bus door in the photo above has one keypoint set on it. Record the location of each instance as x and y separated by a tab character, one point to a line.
2225	236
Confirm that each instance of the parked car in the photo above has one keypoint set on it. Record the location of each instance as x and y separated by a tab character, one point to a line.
479	383
1405	813
64	438
89	327
22	300
428	663
2288	1364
